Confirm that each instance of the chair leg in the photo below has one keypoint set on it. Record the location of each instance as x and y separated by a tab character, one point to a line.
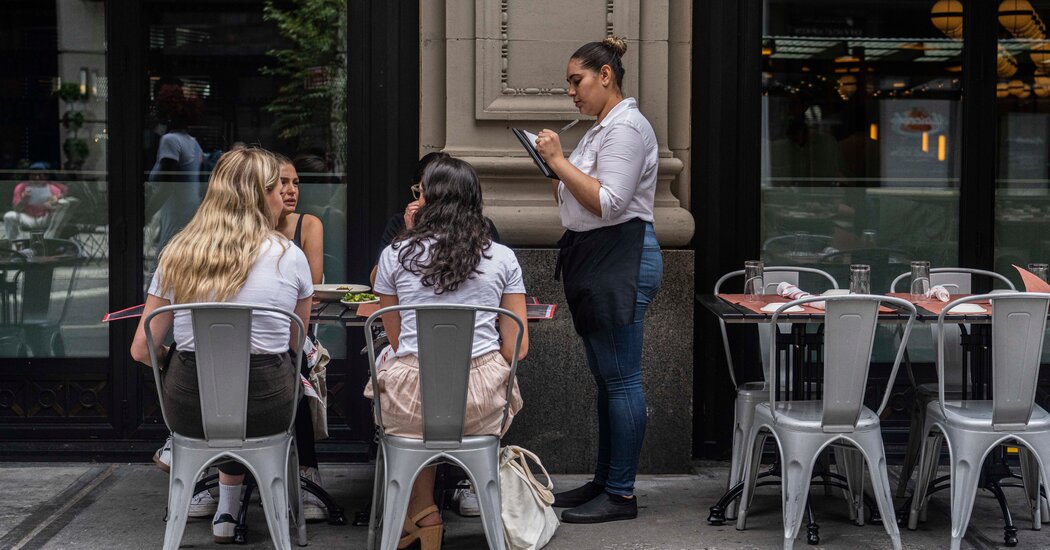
752	460
1030	479
966	473
378	484
911	455
1040	443
185	466
399	476
483	468
853	470
871	447
797	457
295	496
736	459
932	439
273	491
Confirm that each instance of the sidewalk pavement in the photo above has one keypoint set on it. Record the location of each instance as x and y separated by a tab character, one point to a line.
59	506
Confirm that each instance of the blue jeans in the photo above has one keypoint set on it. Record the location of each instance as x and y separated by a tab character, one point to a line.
615	359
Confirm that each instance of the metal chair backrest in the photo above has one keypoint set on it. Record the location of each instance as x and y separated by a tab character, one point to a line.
772	276
849	332
1018	327
445	334
958	280
222	338
961	278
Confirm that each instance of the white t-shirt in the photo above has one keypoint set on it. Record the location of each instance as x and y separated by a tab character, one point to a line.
620	152
280	277
500	274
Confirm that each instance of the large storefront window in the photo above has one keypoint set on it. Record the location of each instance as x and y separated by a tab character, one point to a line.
860	137
54	249
225	75
1022	204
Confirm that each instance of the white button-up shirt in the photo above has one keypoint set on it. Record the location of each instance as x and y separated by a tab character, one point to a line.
621	153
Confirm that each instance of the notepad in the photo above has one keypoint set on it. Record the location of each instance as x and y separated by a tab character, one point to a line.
528	141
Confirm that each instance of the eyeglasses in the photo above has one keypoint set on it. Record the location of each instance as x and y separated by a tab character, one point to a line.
417	190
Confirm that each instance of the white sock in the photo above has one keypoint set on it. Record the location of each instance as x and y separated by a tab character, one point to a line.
229	500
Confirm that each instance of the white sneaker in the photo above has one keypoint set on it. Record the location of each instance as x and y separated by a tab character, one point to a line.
467	500
313	508
203	505
162	458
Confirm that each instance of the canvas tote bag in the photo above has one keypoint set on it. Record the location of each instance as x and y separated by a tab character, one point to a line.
529	521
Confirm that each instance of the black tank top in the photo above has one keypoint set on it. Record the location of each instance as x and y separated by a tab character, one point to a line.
297	237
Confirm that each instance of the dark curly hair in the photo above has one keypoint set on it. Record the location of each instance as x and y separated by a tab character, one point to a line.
450	235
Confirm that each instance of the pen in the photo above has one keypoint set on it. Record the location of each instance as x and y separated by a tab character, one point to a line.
567	126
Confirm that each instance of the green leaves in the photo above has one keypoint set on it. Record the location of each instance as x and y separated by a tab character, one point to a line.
311	72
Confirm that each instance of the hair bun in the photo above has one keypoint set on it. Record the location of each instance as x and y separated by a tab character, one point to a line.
617	44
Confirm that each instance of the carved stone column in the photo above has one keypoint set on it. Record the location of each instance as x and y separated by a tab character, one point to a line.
489	65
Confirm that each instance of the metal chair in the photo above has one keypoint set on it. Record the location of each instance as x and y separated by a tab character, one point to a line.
750	394
222	336
973	427
957	280
803	429
445	335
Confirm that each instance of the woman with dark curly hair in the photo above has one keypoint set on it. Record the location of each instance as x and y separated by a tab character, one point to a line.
448	257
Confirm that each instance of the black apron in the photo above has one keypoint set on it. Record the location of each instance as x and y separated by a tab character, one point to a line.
599	269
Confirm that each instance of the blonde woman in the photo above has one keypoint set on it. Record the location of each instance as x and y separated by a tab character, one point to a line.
230	252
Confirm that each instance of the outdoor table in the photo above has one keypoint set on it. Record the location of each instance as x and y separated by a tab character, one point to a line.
976	344
28	310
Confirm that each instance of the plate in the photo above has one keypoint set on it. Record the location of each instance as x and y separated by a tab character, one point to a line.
774	306
336	291
967	308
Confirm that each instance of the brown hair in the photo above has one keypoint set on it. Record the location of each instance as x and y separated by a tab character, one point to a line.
595	55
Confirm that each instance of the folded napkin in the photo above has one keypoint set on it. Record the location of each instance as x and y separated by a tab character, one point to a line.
793	292
938	292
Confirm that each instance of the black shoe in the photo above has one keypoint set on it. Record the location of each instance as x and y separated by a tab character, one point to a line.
603	508
578	496
223	528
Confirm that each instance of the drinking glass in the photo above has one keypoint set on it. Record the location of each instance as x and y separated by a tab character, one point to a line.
754	285
36	242
1039	270
920	279
859	279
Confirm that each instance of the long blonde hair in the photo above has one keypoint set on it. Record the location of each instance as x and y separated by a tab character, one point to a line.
210	258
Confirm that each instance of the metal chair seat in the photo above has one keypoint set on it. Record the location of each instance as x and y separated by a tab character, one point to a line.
807	415
977	415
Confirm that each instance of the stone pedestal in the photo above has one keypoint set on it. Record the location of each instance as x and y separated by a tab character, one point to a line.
559	421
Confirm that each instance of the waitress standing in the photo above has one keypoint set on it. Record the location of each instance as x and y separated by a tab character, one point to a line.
610	263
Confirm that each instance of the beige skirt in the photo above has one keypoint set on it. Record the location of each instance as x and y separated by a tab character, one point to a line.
486	396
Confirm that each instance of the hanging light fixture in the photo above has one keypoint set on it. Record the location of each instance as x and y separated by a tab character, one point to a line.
1016	16
947	16
1042	86
1002	90
1040	54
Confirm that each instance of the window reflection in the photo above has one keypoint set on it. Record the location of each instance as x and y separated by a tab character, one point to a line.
1022	208
54	264
861	131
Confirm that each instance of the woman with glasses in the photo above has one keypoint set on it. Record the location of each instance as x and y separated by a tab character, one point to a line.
403	221
448	257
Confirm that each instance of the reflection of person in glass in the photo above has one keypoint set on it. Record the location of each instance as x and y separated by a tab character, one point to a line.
611	265
175	177
33	202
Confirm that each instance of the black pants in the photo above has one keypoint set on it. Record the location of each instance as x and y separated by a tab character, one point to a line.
270	393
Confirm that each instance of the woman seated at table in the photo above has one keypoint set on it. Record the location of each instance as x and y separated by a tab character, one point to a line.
230	252
448	257
401	221
307	233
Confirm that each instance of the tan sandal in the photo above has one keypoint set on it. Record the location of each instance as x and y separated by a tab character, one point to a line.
429	537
